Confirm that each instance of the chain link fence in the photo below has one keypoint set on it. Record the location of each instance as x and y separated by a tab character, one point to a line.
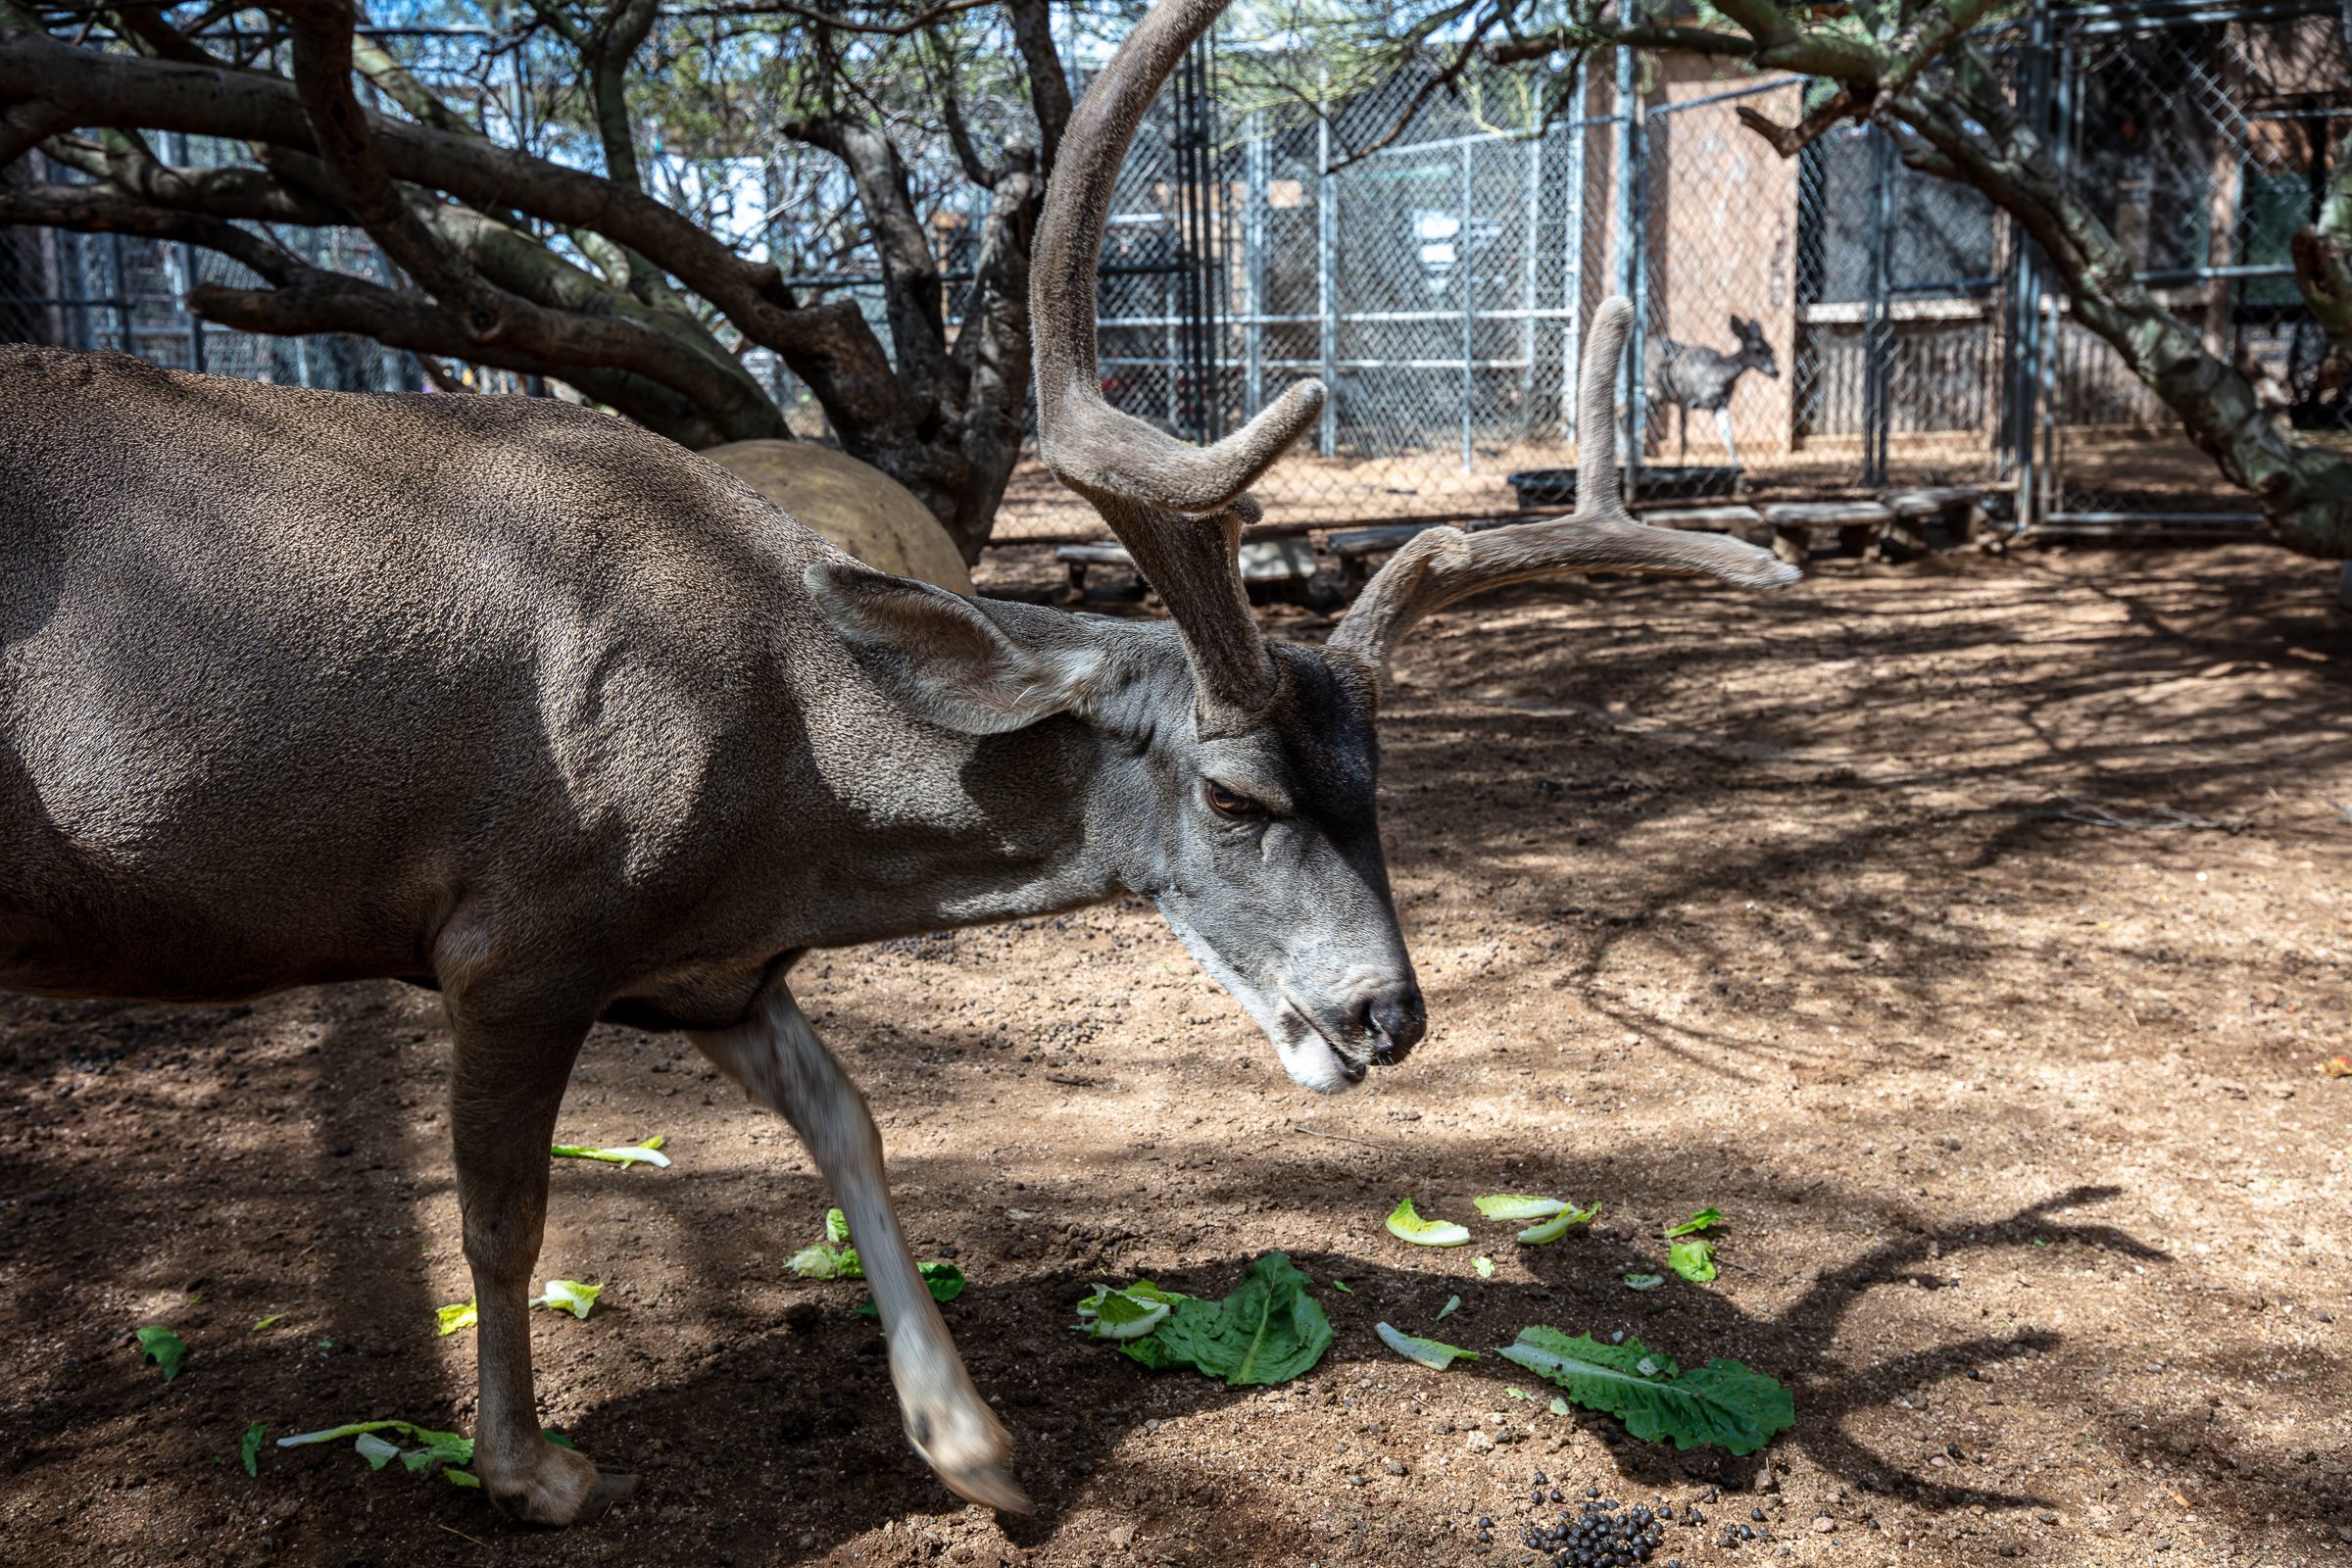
2202	139
1831	325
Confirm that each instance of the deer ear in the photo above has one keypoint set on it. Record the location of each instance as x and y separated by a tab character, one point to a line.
966	664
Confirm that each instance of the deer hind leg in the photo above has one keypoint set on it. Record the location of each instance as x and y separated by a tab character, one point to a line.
781	1063
1722	427
511	1066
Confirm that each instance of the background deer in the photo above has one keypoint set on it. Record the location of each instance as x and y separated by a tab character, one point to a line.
505	696
1691	375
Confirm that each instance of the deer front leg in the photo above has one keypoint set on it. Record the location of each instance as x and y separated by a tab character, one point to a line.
781	1063
505	1090
1722	427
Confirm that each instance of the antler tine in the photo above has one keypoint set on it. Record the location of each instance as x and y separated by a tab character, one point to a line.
1436	567
1178	509
1597	487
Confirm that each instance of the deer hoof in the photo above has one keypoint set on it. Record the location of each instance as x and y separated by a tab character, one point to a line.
555	1487
967	1449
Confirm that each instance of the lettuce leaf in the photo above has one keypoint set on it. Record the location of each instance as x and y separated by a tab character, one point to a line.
1508	1206
1645	1282
826	1262
837	1227
1485	1266
1723	1403
455	1316
1270	1331
249	1448
1452	1303
1552	1229
1696	1223
164	1347
1435	1354
1692	1260
378	1451
1408	1226
647	1152
570	1296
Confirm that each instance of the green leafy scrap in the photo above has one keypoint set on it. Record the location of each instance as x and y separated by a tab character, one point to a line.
1271	1330
1693	1259
837	1227
1721	1403
570	1296
826	1262
1126	1312
647	1152
166	1348
1452	1304
1697	1222
445	1448
1643	1282
1435	1354
1511	1206
1485	1266
455	1316
249	1448
272	1320
1552	1229
1407	1225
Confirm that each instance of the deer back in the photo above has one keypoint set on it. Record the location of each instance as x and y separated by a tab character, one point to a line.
291	681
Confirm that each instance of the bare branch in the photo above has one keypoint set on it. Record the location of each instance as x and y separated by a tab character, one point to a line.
97	210
123	161
827	19
1049	87
1790	140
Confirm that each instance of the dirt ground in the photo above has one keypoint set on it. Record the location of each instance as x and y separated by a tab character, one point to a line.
2036	1193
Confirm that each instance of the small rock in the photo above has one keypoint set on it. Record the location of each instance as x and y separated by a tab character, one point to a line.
1394	1467
1823	1523
1480	1443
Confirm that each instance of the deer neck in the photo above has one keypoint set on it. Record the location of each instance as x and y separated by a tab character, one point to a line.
994	827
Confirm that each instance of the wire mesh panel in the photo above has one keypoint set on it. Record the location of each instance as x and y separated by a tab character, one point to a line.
2202	143
1433	249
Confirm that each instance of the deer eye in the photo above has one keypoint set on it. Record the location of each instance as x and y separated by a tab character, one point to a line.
1231	802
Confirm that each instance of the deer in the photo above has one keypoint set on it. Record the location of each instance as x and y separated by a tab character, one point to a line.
1695	376
511	699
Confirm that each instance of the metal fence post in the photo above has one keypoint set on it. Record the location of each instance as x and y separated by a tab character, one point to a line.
1327	219
1527	286
123	315
187	260
2023	304
1254	266
1463	270
1572	286
1878	331
1633	180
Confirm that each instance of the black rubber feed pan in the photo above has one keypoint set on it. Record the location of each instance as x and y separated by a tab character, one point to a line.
1557	487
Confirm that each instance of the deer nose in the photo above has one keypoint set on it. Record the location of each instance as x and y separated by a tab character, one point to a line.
1394	1020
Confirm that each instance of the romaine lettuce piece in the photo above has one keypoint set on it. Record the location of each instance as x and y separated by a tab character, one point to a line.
1407	1226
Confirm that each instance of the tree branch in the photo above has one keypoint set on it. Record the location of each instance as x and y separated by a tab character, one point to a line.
1049	88
607	55
1790	140
909	271
836	21
830	347
123	161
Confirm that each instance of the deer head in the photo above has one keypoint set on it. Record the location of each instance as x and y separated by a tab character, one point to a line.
1755	350
1236	785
